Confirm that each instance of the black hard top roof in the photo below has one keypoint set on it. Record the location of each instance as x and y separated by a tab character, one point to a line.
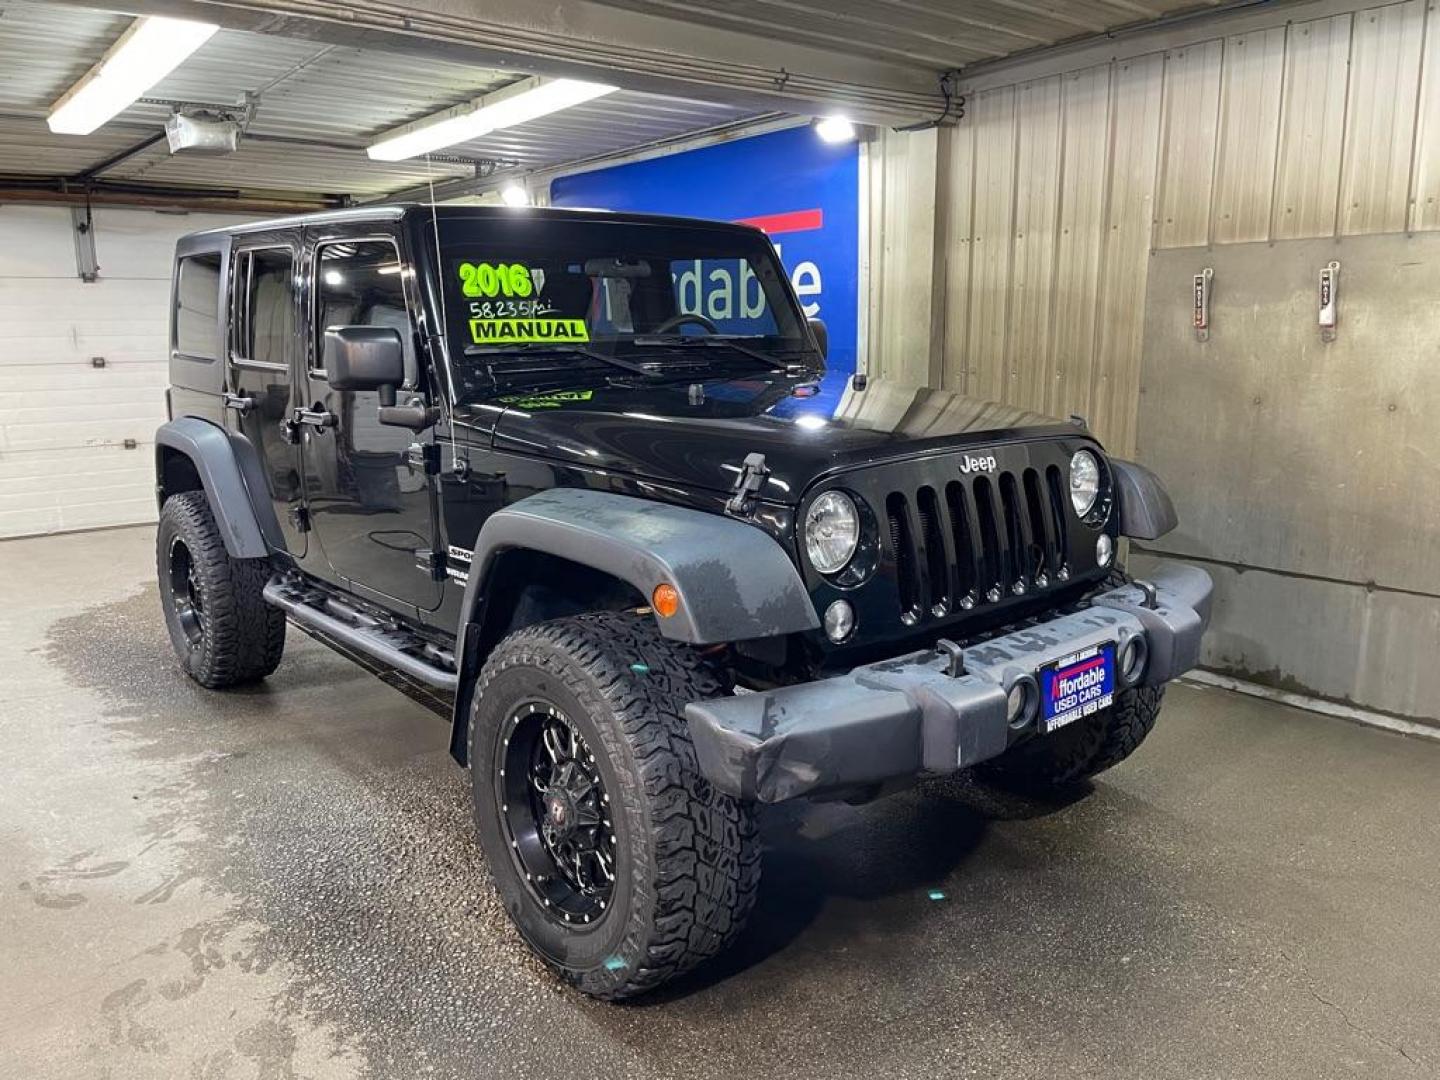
398	211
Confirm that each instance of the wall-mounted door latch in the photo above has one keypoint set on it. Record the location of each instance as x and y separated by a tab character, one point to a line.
1201	317
87	263
1329	300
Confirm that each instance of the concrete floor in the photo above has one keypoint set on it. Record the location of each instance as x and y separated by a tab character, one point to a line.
282	882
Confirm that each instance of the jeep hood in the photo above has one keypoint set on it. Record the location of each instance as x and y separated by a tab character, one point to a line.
696	435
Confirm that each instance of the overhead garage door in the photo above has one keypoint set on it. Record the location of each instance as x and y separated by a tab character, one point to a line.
82	366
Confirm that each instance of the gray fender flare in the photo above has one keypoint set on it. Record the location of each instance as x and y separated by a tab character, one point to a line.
735	581
221	461
1146	512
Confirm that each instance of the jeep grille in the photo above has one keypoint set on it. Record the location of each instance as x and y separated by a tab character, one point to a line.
976	540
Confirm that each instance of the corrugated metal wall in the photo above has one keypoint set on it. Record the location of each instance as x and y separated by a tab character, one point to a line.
1021	235
1057	204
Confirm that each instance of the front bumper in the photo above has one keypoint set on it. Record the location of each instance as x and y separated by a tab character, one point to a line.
907	717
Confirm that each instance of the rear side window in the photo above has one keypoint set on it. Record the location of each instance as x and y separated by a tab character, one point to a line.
197	306
263	325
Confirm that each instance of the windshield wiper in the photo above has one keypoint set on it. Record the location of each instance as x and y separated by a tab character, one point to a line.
534	348
689	341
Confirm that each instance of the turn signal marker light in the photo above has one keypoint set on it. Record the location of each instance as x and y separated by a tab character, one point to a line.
665	599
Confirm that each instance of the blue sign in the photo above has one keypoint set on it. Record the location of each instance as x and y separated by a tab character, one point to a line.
803	192
1077	686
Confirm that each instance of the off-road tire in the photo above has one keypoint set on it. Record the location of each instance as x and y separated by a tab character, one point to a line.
1081	749
240	638
688	862
1086	747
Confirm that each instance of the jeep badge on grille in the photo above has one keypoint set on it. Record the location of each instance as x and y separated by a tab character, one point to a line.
969	463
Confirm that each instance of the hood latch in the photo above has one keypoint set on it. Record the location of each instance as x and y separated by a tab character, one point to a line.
747	485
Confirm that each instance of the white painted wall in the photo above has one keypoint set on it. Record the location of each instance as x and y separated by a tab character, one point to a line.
64	422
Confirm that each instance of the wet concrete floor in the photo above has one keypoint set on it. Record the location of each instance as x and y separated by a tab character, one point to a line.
282	882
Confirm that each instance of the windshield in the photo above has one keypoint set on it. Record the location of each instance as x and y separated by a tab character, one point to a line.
535	301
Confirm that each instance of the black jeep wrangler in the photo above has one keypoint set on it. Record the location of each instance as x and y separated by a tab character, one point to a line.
559	475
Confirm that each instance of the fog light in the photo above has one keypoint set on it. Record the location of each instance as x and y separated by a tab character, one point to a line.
839	621
1104	550
1133	656
1020	702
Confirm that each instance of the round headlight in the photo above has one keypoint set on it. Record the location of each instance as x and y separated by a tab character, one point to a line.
832	530
1084	481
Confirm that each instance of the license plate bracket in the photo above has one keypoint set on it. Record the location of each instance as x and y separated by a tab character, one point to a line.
1076	686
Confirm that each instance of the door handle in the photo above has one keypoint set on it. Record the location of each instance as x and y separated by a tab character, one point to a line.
239	402
319	417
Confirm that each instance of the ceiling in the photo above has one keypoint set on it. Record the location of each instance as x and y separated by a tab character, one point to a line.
319	104
941	34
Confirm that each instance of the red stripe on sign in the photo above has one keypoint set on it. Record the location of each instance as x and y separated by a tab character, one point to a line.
794	221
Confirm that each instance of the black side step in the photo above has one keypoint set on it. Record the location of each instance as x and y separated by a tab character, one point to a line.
387	644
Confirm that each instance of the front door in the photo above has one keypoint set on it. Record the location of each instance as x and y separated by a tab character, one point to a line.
371	501
264	313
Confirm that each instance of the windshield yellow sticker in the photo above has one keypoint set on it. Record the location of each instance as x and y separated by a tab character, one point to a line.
509	280
552	400
538	328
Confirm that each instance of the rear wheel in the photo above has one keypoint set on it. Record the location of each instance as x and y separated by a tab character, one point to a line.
620	864
222	630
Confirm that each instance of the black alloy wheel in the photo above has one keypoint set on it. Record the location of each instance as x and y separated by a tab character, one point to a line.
556	813
185	592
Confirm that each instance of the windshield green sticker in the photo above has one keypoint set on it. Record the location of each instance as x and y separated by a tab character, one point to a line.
552	400
514	331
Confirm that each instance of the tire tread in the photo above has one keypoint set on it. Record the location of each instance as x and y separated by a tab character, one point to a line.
707	857
245	636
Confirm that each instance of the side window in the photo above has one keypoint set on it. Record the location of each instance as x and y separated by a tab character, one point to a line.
197	306
358	283
264	307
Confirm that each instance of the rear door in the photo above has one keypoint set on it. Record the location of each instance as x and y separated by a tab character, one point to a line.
371	500
264	348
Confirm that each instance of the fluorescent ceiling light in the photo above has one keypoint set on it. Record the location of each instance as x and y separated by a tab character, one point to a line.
147	52
835	129
526	100
515	195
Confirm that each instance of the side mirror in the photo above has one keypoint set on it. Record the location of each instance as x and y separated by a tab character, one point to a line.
365	358
821	335
373	358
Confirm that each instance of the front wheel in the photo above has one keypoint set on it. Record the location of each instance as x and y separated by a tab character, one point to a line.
618	861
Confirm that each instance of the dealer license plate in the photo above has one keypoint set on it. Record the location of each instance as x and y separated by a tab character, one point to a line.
1077	685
